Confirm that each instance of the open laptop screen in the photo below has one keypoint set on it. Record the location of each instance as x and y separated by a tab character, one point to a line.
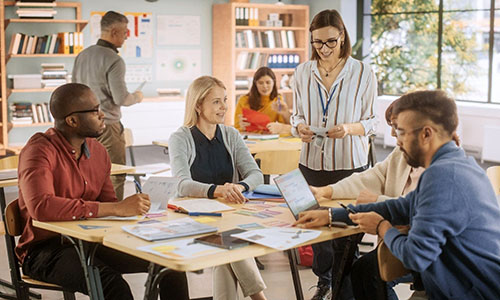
295	190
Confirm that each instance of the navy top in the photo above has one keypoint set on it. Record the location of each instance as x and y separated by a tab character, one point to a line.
454	240
212	163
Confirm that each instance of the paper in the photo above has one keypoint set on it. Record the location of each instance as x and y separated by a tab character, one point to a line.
257	120
152	168
168	229
181	249
137	73
278	237
178	30
250	226
201	205
117	218
160	190
176	65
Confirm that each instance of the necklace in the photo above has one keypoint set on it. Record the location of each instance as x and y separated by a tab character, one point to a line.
329	71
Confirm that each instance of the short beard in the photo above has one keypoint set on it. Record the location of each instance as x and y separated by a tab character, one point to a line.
413	154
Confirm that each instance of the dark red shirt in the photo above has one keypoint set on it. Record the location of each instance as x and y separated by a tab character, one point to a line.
55	186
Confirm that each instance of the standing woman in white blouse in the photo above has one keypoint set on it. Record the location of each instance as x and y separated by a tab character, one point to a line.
334	93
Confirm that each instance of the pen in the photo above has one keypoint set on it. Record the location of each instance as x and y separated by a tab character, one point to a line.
350	210
138	186
279	104
195	214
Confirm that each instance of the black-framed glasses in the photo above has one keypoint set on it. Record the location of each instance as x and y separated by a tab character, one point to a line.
93	110
330	43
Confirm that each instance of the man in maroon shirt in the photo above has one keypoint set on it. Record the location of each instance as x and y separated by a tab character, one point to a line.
64	175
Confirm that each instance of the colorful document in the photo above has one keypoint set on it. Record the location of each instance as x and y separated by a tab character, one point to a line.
279	237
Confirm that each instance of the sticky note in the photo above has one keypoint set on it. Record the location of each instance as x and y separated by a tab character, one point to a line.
165	248
205	220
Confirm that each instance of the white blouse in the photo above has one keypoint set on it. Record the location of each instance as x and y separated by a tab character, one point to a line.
352	97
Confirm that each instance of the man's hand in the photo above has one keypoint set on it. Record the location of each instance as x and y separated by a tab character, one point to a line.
305	133
312	218
230	192
139	95
323	193
338	131
367	221
137	204
366	197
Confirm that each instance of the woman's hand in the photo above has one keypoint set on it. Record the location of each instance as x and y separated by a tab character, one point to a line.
243	122
279	128
305	133
338	131
366	197
280	107
230	192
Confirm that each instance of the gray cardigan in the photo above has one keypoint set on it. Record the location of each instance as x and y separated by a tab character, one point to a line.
182	152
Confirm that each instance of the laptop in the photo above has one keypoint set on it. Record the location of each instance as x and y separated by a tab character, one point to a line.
296	192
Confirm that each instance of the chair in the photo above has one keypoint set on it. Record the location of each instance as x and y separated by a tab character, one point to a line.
277	162
12	225
23	283
494	176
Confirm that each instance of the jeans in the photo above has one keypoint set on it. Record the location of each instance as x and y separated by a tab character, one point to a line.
53	262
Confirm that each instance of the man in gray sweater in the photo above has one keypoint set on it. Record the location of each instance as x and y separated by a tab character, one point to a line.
103	70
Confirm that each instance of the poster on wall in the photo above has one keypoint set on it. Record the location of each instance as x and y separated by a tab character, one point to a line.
178	64
178	30
139	41
137	73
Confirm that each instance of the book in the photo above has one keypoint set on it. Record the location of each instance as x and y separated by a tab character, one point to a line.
168	229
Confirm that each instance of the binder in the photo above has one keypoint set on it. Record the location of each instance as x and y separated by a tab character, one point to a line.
291	39
47	44
66	43
246	16
71	42
80	41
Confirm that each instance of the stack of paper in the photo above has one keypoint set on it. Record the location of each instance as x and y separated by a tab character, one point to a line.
168	229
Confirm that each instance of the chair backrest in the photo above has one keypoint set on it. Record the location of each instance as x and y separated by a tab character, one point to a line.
129	137
494	176
9	162
13	219
278	162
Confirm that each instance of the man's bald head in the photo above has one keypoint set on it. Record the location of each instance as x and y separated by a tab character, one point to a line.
68	98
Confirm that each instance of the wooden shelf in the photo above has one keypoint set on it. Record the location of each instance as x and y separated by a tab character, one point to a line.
276	71
262	28
32	125
44	90
82	23
274	50
43	55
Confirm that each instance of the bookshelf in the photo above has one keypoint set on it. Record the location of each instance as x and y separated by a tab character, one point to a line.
234	57
5	91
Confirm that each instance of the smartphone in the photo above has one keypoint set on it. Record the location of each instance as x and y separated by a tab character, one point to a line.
223	239
350	210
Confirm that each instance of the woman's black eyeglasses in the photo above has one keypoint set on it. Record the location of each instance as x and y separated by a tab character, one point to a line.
330	43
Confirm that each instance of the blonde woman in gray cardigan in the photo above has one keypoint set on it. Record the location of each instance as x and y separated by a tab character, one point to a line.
209	158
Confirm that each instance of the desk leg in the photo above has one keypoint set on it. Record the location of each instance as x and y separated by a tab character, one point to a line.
345	263
92	277
292	260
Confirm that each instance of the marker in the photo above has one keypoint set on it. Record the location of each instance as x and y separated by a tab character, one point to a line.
138	186
350	210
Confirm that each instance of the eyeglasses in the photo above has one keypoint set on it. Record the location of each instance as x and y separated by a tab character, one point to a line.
401	132
330	43
94	110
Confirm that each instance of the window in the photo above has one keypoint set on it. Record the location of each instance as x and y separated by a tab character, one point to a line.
428	44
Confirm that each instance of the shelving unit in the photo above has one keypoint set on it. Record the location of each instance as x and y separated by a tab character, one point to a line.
6	92
225	52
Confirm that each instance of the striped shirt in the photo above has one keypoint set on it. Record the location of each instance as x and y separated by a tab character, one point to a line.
354	93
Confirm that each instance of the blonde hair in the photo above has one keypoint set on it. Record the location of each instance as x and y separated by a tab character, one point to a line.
195	95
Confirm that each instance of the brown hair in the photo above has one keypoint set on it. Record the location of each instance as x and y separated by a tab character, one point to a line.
436	106
389	113
331	17
254	95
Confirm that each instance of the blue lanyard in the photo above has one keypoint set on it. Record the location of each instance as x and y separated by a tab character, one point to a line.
325	108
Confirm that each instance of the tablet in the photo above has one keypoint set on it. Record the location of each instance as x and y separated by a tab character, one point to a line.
296	192
223	239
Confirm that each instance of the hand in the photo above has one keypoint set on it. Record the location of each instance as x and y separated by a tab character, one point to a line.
366	197
312	218
323	193
367	221
277	128
280	106
230	192
137	204
305	133
243	122
338	132
139	95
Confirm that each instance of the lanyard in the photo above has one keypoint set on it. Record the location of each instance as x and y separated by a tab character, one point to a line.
325	108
